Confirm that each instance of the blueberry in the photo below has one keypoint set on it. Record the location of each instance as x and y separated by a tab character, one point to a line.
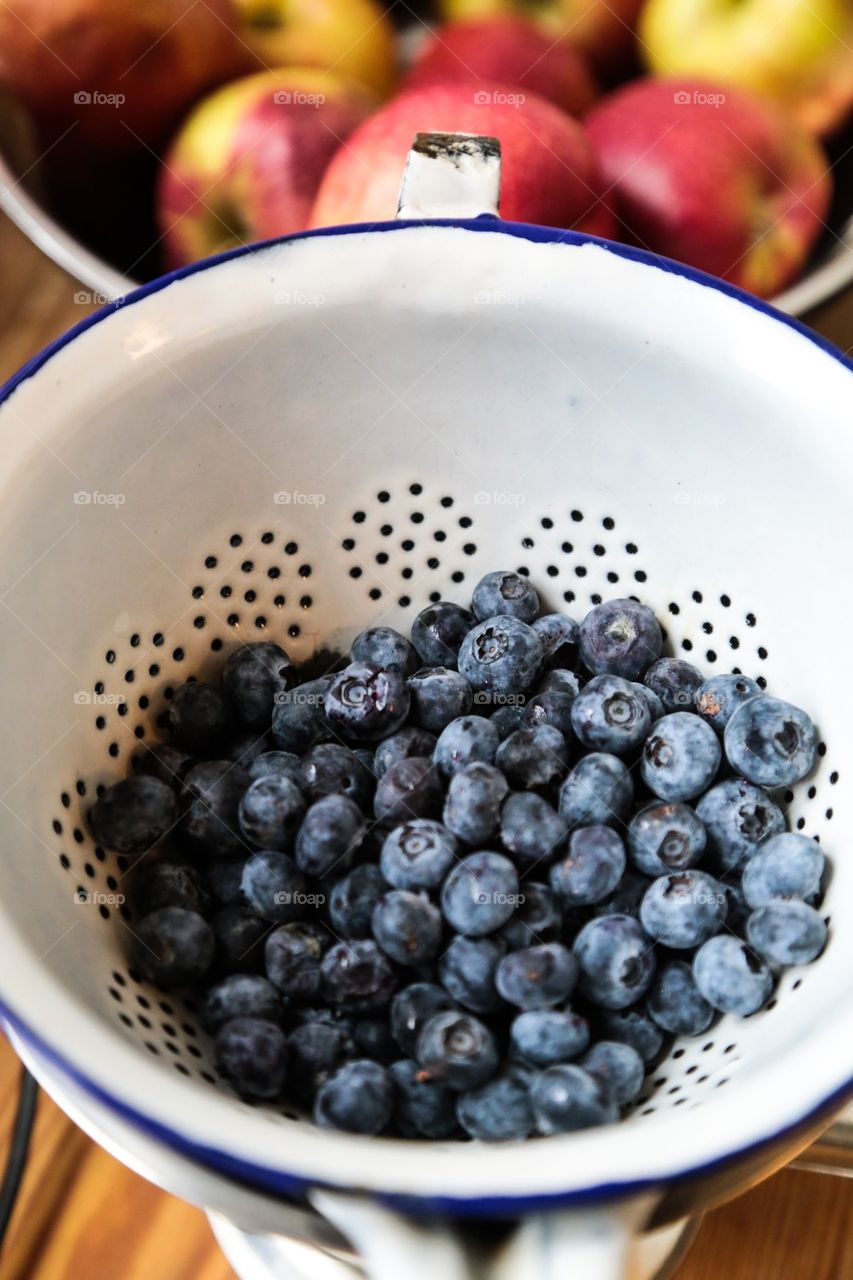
407	927
423	1108
537	977
676	1003
665	837
270	812
438	632
789	932
610	715
409	741
566	1098
771	742
167	763
252	1053
353	898
245	748
439	696
533	757
384	647
653	702
683	910
618	1067
531	829
619	638
408	789
239	935
411	1007
418	854
681	757
331	831
273	886
737	908
501	655
173	947
172	884
506	719
559	637
537	919
252	677
457	1049
467	972
373	1040
276	763
224	875
787	865
631	1026
480	893
559	680
717	699
499	1111
626	897
241	995
468	740
545	1036
298	718
598	790
738	817
473	804
358	1098
317	1050
357	976
501	593
292	955
211	799
616	960
551	707
198	718
592	868
331	769
675	682
133	815
731	976
367	702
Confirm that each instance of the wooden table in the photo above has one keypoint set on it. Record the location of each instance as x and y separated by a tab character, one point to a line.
83	1216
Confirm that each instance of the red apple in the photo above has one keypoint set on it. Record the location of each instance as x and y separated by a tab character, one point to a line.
602	29
719	179
509	51
549	174
247	162
117	72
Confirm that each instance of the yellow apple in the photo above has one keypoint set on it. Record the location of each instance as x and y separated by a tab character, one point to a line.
798	52
602	29
248	160
353	38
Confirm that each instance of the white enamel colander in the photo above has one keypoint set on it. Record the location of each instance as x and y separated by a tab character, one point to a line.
302	439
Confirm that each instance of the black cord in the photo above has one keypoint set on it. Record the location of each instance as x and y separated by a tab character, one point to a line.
19	1148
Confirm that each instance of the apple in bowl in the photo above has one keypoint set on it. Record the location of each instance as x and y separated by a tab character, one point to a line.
506	50
120	75
602	29
797	52
720	179
247	162
549	172
353	38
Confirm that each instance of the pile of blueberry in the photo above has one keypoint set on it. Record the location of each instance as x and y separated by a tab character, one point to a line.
469	883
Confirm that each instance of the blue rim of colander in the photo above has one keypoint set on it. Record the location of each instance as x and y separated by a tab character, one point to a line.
279	1182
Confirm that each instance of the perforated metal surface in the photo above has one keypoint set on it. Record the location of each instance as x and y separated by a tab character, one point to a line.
402	549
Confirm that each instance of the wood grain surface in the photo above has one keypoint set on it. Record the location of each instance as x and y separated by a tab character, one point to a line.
83	1216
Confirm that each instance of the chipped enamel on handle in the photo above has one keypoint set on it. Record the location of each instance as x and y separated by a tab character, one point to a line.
583	1244
451	175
